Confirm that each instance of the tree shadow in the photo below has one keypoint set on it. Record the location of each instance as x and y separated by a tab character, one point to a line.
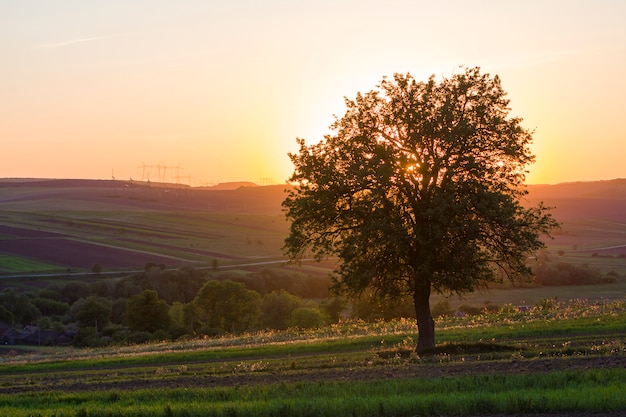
469	348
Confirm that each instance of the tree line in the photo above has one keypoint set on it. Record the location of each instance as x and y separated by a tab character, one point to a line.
160	304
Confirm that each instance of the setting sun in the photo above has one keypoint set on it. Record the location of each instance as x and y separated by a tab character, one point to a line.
222	90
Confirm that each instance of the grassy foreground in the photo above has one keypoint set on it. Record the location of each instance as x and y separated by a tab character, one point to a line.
559	392
556	358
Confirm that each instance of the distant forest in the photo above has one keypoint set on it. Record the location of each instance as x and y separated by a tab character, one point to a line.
163	304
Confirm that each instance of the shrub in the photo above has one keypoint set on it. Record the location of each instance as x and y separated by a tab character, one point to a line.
86	337
470	310
118	310
491	308
334	307
91	311
276	308
146	311
307	318
49	307
6	316
441	309
75	290
137	338
111	330
547	304
96	268
370	309
508	309
160	335
563	273
226	306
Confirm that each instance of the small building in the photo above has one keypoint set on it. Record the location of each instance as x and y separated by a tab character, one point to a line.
32	335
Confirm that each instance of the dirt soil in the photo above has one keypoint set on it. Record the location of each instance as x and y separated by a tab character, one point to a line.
376	372
58	381
95	379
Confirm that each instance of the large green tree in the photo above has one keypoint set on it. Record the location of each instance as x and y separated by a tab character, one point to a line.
418	188
276	308
226	306
92	311
19	305
147	312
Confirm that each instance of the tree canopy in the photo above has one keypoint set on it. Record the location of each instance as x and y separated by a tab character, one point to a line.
147	312
225	306
419	188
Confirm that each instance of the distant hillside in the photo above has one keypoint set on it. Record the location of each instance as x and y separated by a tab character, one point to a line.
593	215
577	200
597	199
106	195
229	185
611	189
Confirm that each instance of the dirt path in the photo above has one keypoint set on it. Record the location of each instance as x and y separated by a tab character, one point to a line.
75	382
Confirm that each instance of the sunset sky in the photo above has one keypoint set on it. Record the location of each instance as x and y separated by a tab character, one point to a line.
222	89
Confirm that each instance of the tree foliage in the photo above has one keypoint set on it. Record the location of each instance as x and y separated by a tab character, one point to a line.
147	312
73	291
6	316
307	318
225	306
20	306
50	307
135	308
563	273
418	188
276	308
92	311
177	323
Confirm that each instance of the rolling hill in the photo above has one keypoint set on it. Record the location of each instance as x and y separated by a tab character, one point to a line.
126	224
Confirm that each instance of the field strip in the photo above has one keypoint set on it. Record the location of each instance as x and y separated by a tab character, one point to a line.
130	250
601	248
142	377
132	271
609	222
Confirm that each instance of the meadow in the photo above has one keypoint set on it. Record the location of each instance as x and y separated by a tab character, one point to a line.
567	354
557	358
66	226
122	226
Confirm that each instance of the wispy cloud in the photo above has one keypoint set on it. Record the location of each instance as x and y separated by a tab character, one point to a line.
73	42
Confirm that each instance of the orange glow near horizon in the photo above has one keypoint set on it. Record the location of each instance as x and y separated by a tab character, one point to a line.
222	91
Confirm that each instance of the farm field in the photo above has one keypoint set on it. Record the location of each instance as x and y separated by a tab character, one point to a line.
64	227
593	216
557	359
61	224
565	356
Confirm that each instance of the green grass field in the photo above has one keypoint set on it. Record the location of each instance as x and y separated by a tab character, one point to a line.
12	264
557	358
194	239
241	225
529	296
562	392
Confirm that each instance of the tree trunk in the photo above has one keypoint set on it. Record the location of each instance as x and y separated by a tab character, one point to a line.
425	322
